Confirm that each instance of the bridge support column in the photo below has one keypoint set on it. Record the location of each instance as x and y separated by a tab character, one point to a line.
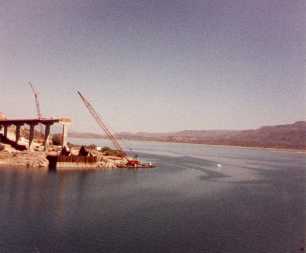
47	135
64	135
5	131
31	136
17	133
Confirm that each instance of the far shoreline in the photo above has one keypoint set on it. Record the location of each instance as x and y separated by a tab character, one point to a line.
273	149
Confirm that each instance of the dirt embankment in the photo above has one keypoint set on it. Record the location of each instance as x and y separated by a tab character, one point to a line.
12	157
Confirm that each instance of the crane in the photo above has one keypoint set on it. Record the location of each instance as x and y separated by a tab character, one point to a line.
131	163
100	122
35	93
38	112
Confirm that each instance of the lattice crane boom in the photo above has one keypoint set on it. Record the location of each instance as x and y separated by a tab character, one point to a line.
35	93
100	122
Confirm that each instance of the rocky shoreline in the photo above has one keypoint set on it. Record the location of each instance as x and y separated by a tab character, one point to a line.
12	157
9	157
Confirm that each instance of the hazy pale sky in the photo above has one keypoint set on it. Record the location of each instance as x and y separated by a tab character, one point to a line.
156	65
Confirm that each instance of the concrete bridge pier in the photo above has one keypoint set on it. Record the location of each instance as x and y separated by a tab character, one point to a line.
47	135
5	131
64	135
17	133
31	135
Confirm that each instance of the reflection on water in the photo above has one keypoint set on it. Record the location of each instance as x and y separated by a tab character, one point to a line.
253	203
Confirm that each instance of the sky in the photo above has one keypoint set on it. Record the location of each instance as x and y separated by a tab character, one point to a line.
155	65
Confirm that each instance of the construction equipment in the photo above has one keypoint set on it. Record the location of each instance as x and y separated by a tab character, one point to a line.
100	122
38	112
131	163
110	135
35	93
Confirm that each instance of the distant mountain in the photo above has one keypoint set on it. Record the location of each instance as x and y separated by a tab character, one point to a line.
85	135
291	136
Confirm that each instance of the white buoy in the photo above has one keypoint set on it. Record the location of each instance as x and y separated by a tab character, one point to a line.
219	165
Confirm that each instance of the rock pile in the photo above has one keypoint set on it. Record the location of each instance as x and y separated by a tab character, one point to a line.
12	157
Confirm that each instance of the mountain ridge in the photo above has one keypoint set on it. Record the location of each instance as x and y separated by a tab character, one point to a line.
290	136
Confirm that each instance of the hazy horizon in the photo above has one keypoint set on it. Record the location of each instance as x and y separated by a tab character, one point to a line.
155	66
100	132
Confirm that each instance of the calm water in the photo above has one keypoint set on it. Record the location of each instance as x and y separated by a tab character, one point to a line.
253	201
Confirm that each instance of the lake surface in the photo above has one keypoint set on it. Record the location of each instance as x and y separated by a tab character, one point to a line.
199	199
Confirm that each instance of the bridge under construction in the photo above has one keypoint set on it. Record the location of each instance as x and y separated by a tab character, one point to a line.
47	122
